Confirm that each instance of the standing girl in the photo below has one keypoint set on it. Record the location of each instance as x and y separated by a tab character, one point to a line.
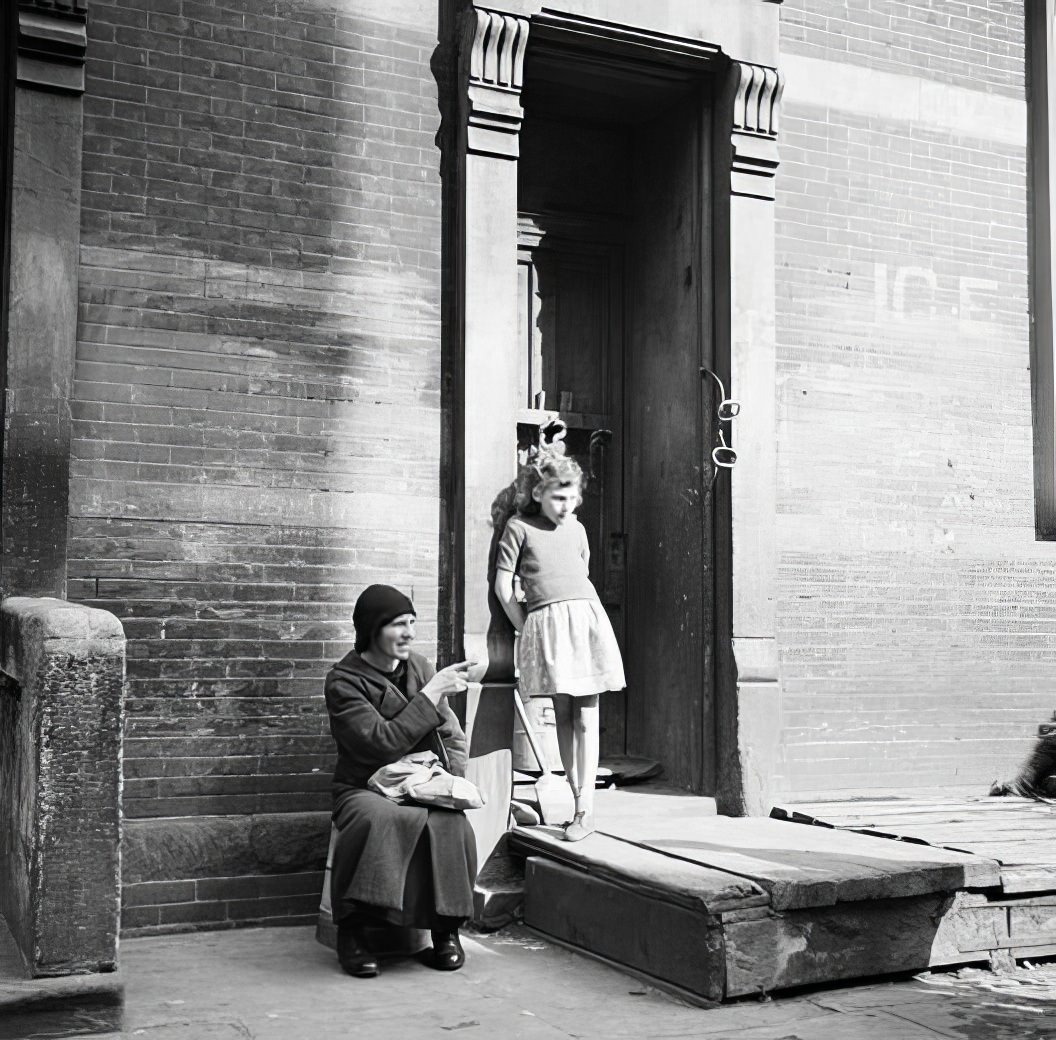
568	650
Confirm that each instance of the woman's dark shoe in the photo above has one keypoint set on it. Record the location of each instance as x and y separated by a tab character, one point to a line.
448	954
353	953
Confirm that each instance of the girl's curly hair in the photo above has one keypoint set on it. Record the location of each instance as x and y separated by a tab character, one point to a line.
545	470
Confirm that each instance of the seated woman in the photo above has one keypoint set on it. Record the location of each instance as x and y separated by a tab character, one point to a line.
393	863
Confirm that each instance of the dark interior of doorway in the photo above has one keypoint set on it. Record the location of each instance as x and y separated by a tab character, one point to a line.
614	200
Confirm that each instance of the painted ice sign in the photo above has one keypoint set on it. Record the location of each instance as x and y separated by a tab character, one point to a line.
913	291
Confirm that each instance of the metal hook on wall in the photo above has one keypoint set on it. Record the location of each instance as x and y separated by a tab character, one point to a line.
722	455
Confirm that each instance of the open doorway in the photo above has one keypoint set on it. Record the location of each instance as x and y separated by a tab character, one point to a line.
616	322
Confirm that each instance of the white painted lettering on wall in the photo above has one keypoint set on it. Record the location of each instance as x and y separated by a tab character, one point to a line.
913	291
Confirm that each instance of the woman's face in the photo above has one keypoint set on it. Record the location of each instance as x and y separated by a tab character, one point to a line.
394	639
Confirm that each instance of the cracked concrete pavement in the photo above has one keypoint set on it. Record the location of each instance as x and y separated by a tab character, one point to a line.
279	984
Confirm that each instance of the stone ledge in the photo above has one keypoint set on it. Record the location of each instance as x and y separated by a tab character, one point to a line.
33	625
183	848
18	992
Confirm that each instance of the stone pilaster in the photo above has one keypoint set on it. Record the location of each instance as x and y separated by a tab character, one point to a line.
42	317
750	712
491	68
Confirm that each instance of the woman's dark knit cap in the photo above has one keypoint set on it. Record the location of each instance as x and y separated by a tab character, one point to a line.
376	607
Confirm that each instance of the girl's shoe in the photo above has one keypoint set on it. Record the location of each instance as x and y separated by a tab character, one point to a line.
447	951
580	827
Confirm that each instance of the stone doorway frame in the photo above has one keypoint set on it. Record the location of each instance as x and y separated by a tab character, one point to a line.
738	42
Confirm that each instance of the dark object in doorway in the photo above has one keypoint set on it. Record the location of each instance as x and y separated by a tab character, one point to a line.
628	769
1037	776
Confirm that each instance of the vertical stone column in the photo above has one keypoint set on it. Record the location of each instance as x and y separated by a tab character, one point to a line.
749	693
42	320
493	56
60	795
491	65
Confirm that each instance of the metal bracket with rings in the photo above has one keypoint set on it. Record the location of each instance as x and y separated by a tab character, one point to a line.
722	455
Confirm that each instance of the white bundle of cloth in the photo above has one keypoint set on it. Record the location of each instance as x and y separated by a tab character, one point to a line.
422	780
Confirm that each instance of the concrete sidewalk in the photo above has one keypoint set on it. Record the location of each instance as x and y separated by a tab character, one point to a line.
279	984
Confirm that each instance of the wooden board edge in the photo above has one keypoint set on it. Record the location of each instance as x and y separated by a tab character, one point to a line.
686	995
522	845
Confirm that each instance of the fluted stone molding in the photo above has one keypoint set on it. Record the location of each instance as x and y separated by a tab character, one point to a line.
757	93
493	48
52	41
78	8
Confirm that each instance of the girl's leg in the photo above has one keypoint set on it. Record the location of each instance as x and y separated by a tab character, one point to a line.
566	741
587	746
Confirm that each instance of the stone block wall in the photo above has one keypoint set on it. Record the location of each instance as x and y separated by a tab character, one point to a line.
256	417
60	783
916	611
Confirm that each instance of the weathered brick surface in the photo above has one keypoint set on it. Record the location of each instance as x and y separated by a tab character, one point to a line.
257	412
231	902
975	43
245	867
916	613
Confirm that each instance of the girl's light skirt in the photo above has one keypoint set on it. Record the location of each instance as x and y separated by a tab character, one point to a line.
569	647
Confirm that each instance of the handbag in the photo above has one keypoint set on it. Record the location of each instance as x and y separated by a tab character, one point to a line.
420	779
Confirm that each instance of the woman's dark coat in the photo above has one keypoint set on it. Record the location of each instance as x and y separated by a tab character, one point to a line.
374	724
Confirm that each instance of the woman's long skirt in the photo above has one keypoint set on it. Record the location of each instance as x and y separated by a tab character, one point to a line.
401	864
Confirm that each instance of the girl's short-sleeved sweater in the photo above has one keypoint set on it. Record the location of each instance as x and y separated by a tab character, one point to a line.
552	560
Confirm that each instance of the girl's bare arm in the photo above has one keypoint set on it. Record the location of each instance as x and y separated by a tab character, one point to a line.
504	591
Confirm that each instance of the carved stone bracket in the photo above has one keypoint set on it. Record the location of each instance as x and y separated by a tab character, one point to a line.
493	62
757	93
52	40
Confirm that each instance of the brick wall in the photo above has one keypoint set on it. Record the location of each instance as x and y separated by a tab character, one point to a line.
257	413
917	609
973	44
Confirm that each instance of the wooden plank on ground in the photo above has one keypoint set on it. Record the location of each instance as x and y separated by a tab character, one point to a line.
862	816
676	945
1032	925
1006	830
811	866
838	813
825	944
1018	853
943	819
1012	836
1028	879
652	873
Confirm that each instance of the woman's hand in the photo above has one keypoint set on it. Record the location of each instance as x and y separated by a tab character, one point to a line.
451	679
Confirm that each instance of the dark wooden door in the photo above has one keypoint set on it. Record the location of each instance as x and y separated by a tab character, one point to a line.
668	473
616	321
